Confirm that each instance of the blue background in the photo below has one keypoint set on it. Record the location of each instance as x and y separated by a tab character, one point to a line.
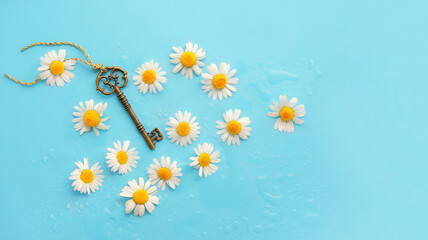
356	169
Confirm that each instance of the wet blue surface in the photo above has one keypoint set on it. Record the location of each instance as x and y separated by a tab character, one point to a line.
355	170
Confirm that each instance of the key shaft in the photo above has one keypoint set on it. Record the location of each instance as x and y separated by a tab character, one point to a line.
134	117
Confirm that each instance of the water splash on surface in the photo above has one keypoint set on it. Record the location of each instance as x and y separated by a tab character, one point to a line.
277	76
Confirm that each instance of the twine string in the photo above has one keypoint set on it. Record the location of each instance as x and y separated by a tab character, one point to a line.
88	62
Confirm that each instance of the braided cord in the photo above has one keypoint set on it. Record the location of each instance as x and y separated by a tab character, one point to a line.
89	62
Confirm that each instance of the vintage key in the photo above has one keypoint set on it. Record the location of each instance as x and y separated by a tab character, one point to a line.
112	81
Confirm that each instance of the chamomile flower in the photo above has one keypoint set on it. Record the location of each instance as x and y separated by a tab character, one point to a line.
149	77
234	128
188	61
164	173
89	116
143	197
183	128
205	159
55	68
86	179
287	113
121	157
218	82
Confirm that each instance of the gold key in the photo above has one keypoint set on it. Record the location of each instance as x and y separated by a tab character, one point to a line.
112	82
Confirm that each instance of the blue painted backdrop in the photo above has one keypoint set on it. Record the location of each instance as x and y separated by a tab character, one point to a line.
357	168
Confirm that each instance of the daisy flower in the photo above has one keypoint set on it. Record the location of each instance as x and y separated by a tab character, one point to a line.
218	83
234	127
287	113
86	179
143	197
182	129
55	68
89	116
122	158
205	159
149	77
164	173
188	61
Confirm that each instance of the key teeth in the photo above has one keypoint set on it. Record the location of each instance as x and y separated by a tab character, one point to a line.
156	135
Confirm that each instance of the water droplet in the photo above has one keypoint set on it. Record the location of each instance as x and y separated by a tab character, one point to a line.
276	76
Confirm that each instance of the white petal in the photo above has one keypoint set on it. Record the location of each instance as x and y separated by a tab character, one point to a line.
298	120
129	206
61	55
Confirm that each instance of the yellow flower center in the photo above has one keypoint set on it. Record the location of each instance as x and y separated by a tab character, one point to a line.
183	129
122	157
286	113
56	67
188	59
140	196
149	76
204	159
87	176
91	118
219	81
234	127
164	173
